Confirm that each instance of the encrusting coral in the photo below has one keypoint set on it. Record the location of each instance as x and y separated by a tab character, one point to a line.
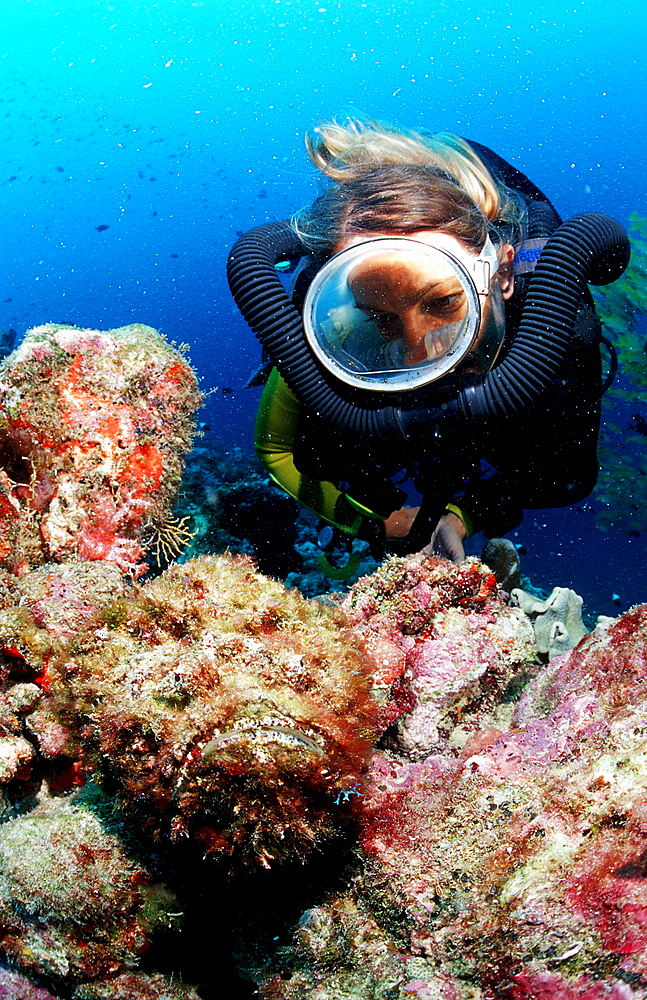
93	429
47	925
512	865
445	648
494	807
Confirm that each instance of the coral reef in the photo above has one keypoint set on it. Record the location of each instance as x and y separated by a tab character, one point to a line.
500	831
75	905
218	705
445	645
476	816
16	987
512	865
93	429
222	707
50	927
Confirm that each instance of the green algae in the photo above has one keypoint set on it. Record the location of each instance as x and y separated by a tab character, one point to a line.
621	493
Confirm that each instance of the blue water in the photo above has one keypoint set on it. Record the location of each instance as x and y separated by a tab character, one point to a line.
179	124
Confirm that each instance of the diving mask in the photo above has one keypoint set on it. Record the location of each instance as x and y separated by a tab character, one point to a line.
395	313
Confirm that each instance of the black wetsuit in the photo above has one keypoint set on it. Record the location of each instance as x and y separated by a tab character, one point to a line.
546	459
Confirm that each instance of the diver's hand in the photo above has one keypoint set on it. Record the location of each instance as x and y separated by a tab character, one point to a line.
399	523
447	539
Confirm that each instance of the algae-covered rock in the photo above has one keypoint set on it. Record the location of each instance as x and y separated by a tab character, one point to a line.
513	868
74	905
93	429
447	644
136	986
13	986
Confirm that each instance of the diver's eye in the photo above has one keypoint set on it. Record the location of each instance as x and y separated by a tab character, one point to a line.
385	321
444	304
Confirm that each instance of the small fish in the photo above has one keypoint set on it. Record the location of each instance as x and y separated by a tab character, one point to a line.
102	228
7	340
260	375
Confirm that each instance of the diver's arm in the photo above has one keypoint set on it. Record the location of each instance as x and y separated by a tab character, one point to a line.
276	426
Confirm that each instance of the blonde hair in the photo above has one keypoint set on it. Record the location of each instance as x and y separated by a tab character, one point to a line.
343	152
360	147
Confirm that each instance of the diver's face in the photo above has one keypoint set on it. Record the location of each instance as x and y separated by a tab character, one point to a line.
413	301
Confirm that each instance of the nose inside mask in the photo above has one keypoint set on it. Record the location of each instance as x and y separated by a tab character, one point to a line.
437	342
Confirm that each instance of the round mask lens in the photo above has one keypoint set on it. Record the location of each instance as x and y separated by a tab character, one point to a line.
391	313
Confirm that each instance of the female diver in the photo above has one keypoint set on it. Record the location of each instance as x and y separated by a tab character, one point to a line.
440	329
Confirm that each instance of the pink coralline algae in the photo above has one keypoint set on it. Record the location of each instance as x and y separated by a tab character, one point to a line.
445	648
16	987
93	429
510	861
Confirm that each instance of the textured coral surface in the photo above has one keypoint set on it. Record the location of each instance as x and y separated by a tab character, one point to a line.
445	646
508	866
93	427
466	822
13	986
47	925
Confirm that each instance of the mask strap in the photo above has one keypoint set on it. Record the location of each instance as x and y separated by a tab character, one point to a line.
485	267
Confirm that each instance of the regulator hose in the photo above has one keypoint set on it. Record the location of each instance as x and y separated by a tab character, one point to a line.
267	308
589	248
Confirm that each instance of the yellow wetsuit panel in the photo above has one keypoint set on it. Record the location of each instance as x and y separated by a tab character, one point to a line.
276	426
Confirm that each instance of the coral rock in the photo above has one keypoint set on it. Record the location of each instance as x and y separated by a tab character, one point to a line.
135	986
15	987
73	905
51	605
93	428
445	636
515	867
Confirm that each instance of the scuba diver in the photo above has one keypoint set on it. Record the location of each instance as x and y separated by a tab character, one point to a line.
439	332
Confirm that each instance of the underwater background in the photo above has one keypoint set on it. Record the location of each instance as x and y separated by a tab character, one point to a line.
141	138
